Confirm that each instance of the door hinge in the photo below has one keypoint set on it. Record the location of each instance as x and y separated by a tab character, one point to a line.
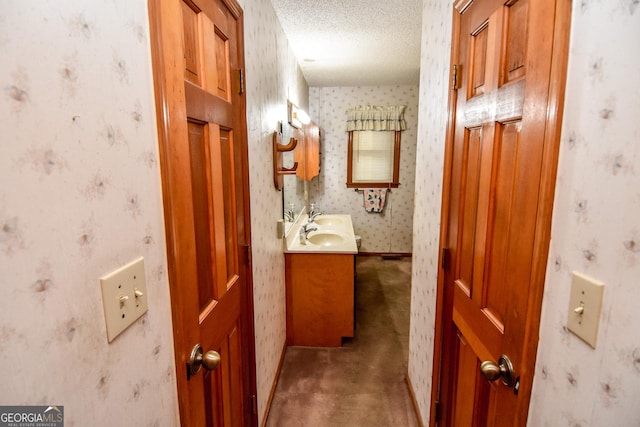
445	259
254	404
241	80
454	77
247	253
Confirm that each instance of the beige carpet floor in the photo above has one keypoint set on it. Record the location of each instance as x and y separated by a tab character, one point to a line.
361	383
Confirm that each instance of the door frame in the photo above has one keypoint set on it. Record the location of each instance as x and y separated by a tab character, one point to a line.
443	373
167	109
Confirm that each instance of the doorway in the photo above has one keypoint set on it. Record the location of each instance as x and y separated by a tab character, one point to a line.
361	383
198	61
509	68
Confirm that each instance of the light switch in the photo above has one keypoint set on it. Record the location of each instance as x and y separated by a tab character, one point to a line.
585	304
124	296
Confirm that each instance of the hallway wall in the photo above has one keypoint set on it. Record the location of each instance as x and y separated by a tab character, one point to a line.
80	196
272	76
595	222
80	146
596	227
391	230
432	118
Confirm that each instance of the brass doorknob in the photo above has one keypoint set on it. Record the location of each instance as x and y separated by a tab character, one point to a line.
503	370
210	360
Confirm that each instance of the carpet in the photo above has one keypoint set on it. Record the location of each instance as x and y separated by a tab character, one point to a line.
361	383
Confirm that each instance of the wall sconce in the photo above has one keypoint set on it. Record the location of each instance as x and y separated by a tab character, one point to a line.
297	116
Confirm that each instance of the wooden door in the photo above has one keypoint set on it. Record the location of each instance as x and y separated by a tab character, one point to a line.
198	57
509	59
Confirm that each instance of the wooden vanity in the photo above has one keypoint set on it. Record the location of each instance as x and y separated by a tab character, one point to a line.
320	283
320	298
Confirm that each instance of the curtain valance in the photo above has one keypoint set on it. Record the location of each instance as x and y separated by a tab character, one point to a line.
371	117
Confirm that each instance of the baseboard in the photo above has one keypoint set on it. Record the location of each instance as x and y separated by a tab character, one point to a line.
273	386
416	408
387	254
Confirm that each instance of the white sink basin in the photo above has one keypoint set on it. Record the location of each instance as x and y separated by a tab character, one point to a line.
325	239
333	234
329	220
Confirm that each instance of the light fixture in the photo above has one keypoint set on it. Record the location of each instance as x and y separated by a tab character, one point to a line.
297	116
303	117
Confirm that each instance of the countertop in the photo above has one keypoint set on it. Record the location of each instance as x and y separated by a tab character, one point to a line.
334	235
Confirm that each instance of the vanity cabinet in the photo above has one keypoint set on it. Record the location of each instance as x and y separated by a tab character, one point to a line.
320	298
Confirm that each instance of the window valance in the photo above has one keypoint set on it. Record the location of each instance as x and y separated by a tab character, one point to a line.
371	117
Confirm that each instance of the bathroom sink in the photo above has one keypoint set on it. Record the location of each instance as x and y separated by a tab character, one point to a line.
329	220
326	239
329	234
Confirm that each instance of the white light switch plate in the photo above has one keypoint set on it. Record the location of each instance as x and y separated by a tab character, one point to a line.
124	296
585	304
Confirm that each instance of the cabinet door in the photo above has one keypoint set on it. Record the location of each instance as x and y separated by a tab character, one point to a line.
308	156
312	142
320	300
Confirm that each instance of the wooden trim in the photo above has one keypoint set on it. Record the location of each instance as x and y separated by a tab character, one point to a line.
442	340
165	95
416	408
235	9
274	386
249	374
396	158
394	254
461	5
553	129
349	158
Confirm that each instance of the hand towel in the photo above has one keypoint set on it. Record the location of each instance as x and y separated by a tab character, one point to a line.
374	199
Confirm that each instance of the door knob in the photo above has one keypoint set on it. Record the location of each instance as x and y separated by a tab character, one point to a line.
210	360
503	370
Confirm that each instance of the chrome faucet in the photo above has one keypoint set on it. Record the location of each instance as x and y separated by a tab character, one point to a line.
313	213
304	232
289	215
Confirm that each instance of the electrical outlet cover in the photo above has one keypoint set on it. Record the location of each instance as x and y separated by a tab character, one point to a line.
585	304
124	296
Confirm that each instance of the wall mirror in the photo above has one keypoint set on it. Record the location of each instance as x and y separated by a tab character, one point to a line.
293	194
306	155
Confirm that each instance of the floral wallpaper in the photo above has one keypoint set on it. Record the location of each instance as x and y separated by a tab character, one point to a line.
273	76
595	225
80	197
595	228
87	199
391	230
432	120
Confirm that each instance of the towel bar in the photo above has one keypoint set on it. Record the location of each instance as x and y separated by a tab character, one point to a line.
362	189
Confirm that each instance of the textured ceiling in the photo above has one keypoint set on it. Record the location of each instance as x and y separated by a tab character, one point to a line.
354	42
